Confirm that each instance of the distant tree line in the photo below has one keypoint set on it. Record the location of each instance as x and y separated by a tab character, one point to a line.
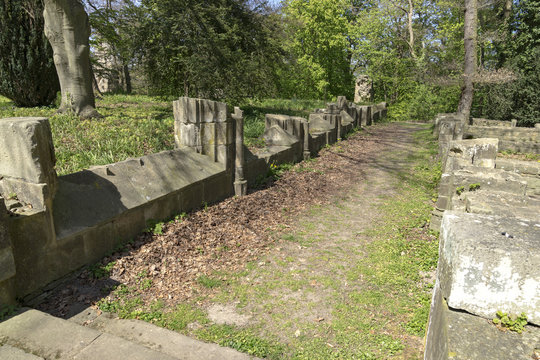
235	49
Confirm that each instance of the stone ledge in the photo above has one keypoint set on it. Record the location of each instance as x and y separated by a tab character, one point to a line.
482	271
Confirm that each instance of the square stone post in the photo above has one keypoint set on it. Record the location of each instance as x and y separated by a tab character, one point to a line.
206	127
240	183
7	262
307	153
27	161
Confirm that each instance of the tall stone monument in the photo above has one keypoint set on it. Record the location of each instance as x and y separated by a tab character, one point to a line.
363	91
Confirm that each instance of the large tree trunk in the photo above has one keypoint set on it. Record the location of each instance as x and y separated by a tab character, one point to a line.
471	19
68	29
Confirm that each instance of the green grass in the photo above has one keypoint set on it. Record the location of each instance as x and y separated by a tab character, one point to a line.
255	111
135	125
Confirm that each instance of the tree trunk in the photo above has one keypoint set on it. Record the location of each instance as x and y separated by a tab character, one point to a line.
127	76
68	29
410	15
471	19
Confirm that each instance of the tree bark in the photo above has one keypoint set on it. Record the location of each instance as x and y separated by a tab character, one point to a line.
68	29
467	90
410	15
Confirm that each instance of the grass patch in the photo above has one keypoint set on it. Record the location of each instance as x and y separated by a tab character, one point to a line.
136	125
255	111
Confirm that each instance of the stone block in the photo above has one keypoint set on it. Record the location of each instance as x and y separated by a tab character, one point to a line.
502	204
7	264
489	179
318	123
482	271
39	196
477	152
458	335
26	150
346	119
277	136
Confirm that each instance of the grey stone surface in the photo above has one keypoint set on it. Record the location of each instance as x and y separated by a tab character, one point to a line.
12	353
27	160
502	204
483	271
317	124
108	346
472	337
165	341
489	179
89	197
291	124
458	335
45	335
363	89
26	150
476	152
487	122
277	136
519	166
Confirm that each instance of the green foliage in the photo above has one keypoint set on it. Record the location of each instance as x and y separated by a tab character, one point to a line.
27	71
460	189
154	227
242	340
511	322
208	282
132	126
6	311
474	187
320	64
100	271
216	49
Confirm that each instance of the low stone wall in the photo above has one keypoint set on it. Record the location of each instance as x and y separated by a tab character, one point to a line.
489	260
50	226
511	138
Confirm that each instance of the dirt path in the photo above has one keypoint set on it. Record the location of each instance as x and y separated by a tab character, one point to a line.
337	266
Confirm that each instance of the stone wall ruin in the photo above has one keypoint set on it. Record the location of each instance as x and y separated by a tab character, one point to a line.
52	225
488	215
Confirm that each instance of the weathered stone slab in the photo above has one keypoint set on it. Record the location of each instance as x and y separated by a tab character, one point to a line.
483	271
487	122
317	123
46	335
502	204
277	136
489	179
90	197
26	150
477	152
519	166
12	353
346	119
458	335
291	124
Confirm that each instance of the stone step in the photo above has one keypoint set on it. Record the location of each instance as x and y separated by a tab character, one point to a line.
49	337
8	352
502	204
163	340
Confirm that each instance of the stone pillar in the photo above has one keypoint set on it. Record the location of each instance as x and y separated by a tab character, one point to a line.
363	90
240	183
332	115
206	127
307	153
27	162
7	262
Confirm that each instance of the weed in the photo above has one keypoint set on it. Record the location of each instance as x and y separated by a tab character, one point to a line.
460	189
154	227
6	311
242	340
208	282
511	322
474	187
100	271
